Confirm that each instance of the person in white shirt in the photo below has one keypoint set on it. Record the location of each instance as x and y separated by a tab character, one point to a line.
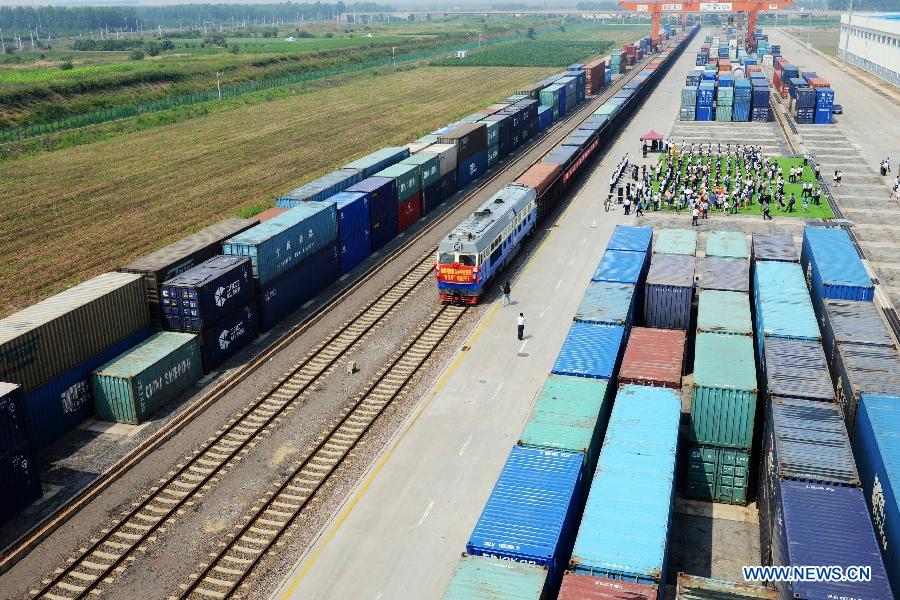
520	324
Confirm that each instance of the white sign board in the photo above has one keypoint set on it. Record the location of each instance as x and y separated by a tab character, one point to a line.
672	6
715	7
642	8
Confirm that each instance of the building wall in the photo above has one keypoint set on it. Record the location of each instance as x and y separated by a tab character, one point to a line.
872	42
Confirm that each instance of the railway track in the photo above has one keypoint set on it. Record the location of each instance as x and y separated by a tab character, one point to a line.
108	554
239	556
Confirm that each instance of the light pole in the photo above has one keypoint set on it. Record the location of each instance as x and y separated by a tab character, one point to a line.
219	83
849	29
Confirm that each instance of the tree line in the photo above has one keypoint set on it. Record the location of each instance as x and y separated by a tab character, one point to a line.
59	20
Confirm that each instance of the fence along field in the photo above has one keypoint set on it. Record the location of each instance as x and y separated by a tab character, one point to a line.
71	214
530	53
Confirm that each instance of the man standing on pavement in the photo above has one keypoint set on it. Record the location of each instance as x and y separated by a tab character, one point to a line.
766	214
520	323
505	289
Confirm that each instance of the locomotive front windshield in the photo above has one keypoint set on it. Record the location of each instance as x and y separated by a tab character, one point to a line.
449	258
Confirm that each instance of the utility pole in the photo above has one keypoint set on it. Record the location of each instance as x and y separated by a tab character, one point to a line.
849	29
219	83
393	49
807	30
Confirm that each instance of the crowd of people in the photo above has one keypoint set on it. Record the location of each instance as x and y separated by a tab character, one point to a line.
698	178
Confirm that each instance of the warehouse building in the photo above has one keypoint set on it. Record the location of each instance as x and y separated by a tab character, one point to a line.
872	42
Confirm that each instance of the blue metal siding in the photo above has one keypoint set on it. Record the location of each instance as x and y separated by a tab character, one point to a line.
60	405
624	532
607	303
471	168
590	350
352	212
222	340
626	237
530	514
321	188
621	267
796	369
382	209
206	293
355	248
21	481
13	418
280	244
781	303
287	293
876	445
822	525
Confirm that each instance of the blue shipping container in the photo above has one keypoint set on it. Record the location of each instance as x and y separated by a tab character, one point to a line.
532	511
447	185
823	525
206	293
13	420
617	266
222	340
876	446
781	304
321	188
21	481
471	168
378	160
545	117
290	291
590	350
382	208
608	303
354	248
352	212
833	267
280	244
624	532
63	403
626	237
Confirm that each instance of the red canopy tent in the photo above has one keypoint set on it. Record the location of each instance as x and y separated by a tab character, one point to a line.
651	135
655	142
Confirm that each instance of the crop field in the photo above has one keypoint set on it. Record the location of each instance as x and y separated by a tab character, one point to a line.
530	53
71	214
617	34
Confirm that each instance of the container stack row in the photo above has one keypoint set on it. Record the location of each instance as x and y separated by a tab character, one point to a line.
727	84
808	476
811	98
517	544
123	343
865	370
723	405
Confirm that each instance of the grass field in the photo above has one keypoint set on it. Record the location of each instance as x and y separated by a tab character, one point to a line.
530	53
823	40
71	214
822	211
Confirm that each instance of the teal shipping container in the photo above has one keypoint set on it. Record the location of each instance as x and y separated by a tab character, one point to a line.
570	414
485	578
724	312
724	403
625	529
132	386
718	474
727	244
493	155
492	132
675	241
406	180
429	167
782	306
607	303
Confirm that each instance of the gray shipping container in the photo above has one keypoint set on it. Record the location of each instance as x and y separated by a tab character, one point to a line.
669	291
725	274
773	246
178	257
864	370
850	322
796	369
47	339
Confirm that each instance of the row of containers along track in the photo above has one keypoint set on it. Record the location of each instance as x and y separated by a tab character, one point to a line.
795	383
121	345
728	84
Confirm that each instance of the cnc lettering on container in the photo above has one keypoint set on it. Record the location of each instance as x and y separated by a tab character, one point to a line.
223	293
229	335
878	514
21	355
74	397
169	377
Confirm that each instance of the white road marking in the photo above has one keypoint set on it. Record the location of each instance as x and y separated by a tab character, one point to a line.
583	242
464	446
571	262
594	223
542	313
379	595
523	346
558	283
425	514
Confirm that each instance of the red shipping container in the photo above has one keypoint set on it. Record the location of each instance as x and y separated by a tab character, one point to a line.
817	82
270	213
539	176
409	211
576	586
753	68
653	357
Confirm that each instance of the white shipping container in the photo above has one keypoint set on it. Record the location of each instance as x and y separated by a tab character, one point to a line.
446	156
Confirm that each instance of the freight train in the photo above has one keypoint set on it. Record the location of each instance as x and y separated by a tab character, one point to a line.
62	363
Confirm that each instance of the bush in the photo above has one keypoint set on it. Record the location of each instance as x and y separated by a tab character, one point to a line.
153	48
303	34
329	35
168	45
235	49
66	65
216	39
136	54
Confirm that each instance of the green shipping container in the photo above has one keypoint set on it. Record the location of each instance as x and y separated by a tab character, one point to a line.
570	414
727	244
473	118
676	241
607	110
492	131
483	578
406	179
718	474
429	167
724	312
132	386
493	155
724	402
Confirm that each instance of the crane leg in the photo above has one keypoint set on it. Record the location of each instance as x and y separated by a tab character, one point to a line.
654	27
750	42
